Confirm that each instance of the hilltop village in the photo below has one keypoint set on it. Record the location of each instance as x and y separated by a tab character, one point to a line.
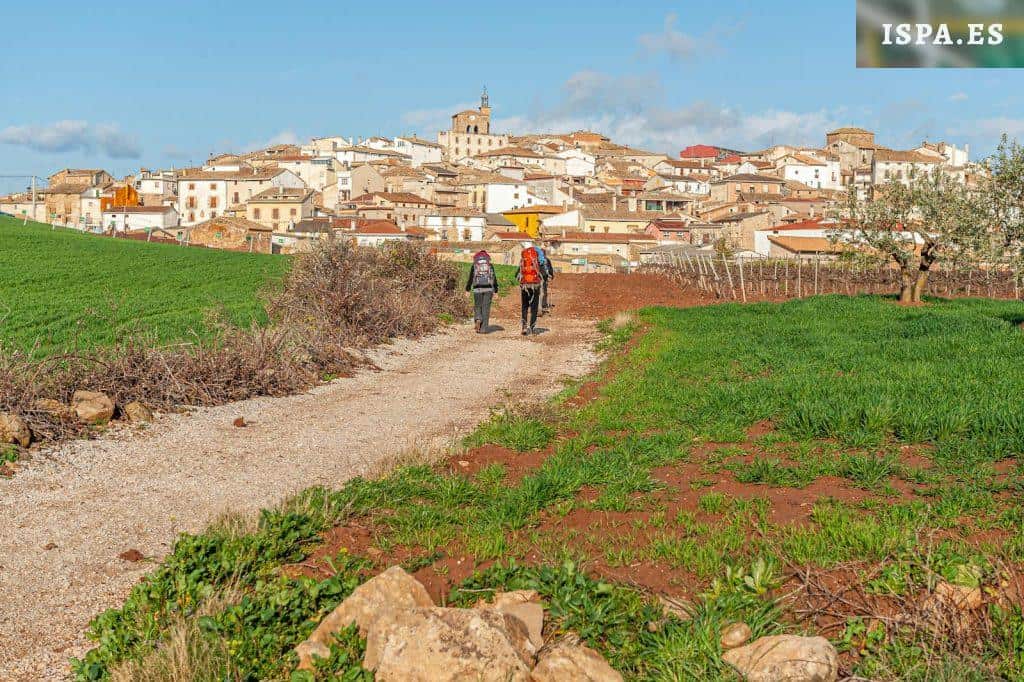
597	205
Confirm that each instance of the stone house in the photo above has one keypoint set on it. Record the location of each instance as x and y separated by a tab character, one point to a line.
222	232
280	207
728	189
84	177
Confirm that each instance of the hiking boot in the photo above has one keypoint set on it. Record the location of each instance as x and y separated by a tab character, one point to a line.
533	330
526	330
477	324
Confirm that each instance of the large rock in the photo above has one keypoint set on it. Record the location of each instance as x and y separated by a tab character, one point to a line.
92	407
137	412
377	598
524	605
13	429
445	645
571	663
785	658
55	408
734	635
953	609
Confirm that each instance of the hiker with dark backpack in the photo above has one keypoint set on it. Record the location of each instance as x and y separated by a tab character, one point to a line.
484	285
547	272
530	277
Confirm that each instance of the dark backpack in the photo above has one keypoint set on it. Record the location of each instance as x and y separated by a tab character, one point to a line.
483	274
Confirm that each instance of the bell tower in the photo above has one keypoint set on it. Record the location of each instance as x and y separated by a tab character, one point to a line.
485	103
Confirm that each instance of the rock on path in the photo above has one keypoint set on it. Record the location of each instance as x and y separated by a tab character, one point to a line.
68	516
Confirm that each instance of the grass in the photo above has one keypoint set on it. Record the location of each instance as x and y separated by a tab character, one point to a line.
62	288
846	382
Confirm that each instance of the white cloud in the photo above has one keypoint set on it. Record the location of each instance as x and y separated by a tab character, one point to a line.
958	97
679	46
627	109
283	137
671	41
995	127
73	136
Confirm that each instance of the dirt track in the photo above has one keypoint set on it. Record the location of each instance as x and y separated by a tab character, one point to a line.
67	516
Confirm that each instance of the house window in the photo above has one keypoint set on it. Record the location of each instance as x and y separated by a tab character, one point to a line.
213	185
213	202
291	211
191	185
191	218
275	213
256	213
234	198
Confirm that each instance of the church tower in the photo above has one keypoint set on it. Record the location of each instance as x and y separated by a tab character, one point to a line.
485	104
474	121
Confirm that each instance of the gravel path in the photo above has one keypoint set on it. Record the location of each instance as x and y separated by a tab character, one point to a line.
67	516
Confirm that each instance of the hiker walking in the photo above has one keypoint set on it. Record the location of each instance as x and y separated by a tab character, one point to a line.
484	285
531	279
548	273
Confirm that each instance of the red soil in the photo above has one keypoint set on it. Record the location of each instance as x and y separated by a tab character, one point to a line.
587	531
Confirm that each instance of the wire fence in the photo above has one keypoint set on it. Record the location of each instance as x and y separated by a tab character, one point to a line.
743	279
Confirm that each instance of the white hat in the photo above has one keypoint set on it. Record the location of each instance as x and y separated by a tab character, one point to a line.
526	244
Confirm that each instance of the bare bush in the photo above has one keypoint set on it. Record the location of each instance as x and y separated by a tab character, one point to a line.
336	300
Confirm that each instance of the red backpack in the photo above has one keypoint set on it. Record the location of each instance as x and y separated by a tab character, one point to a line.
529	268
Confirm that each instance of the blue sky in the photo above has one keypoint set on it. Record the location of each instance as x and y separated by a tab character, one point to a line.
157	84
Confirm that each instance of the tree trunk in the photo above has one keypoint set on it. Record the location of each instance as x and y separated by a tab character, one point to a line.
920	283
928	256
906	286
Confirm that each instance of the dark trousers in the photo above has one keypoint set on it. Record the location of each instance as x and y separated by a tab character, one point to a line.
530	298
544	294
482	307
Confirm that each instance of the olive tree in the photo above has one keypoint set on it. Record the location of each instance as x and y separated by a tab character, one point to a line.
933	216
1003	192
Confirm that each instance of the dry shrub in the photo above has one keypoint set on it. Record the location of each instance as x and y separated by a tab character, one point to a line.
337	300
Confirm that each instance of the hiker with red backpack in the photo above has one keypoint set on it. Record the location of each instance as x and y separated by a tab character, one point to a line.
530	276
484	285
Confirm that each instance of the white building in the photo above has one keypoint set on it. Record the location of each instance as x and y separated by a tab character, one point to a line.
361	154
954	156
687	184
570	221
900	166
203	195
418	150
157	183
578	163
811	171
379	232
318	172
501	197
816	228
325	146
456	225
91	213
139	218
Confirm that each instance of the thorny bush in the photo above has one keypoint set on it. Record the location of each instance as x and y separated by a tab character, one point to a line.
337	300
